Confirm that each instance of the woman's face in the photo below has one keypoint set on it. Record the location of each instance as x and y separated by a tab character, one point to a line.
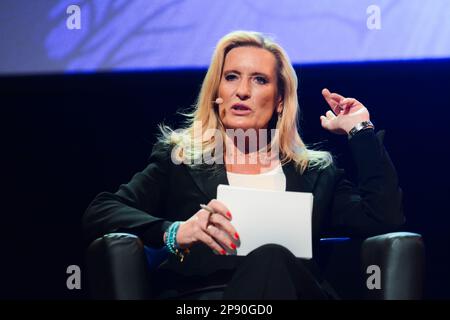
248	87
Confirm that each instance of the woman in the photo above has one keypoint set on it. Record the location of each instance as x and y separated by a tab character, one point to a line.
250	87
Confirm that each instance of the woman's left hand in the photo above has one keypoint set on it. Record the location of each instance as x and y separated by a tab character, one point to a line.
347	112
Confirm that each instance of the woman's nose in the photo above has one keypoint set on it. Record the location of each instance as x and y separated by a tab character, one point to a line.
243	91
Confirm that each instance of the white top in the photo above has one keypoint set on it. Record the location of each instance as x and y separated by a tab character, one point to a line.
270	180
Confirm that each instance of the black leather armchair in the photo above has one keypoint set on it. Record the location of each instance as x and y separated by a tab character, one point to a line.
119	267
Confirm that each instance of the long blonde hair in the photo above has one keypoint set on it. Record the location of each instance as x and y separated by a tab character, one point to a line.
191	145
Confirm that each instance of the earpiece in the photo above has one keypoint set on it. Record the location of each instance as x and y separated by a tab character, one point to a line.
218	100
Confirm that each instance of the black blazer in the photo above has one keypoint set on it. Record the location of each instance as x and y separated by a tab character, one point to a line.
165	192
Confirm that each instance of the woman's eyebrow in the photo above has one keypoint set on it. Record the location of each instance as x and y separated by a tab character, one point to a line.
252	74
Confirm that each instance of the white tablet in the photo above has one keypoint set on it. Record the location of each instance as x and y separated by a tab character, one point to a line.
265	216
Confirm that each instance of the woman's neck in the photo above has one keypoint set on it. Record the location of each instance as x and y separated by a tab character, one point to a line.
239	158
248	168
249	163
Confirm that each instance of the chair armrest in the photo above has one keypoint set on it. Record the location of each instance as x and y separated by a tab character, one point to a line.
401	258
118	268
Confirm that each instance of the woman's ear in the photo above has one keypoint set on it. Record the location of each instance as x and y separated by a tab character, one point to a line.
280	105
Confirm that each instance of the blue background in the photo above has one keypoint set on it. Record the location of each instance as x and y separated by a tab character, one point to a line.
162	34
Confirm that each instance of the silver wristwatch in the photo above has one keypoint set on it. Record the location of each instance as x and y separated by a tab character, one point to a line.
360	126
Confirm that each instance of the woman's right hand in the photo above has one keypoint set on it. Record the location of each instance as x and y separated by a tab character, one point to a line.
213	229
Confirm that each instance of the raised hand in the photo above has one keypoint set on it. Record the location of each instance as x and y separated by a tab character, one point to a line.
347	112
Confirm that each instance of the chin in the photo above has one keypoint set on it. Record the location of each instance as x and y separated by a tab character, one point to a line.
239	122
240	125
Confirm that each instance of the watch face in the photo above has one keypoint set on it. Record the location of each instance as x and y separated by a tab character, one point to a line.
361	126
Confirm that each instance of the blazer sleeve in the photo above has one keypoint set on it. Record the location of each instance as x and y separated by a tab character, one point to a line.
136	207
374	204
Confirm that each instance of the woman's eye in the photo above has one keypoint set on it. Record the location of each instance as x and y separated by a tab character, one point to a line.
261	80
230	77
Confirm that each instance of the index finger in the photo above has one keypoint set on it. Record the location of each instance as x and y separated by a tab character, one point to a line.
330	99
337	97
333	100
219	207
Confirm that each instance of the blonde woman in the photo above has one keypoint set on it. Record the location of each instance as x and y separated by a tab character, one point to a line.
250	88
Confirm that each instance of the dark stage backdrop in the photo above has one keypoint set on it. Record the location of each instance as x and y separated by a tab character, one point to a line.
65	138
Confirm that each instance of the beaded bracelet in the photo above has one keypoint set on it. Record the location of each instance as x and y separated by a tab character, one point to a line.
171	241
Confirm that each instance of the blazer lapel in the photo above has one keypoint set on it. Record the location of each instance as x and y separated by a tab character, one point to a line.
299	182
207	178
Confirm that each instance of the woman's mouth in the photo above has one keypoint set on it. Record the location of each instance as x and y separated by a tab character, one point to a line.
240	109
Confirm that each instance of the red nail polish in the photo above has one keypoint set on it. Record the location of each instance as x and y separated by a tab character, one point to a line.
229	214
236	236
222	252
233	246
